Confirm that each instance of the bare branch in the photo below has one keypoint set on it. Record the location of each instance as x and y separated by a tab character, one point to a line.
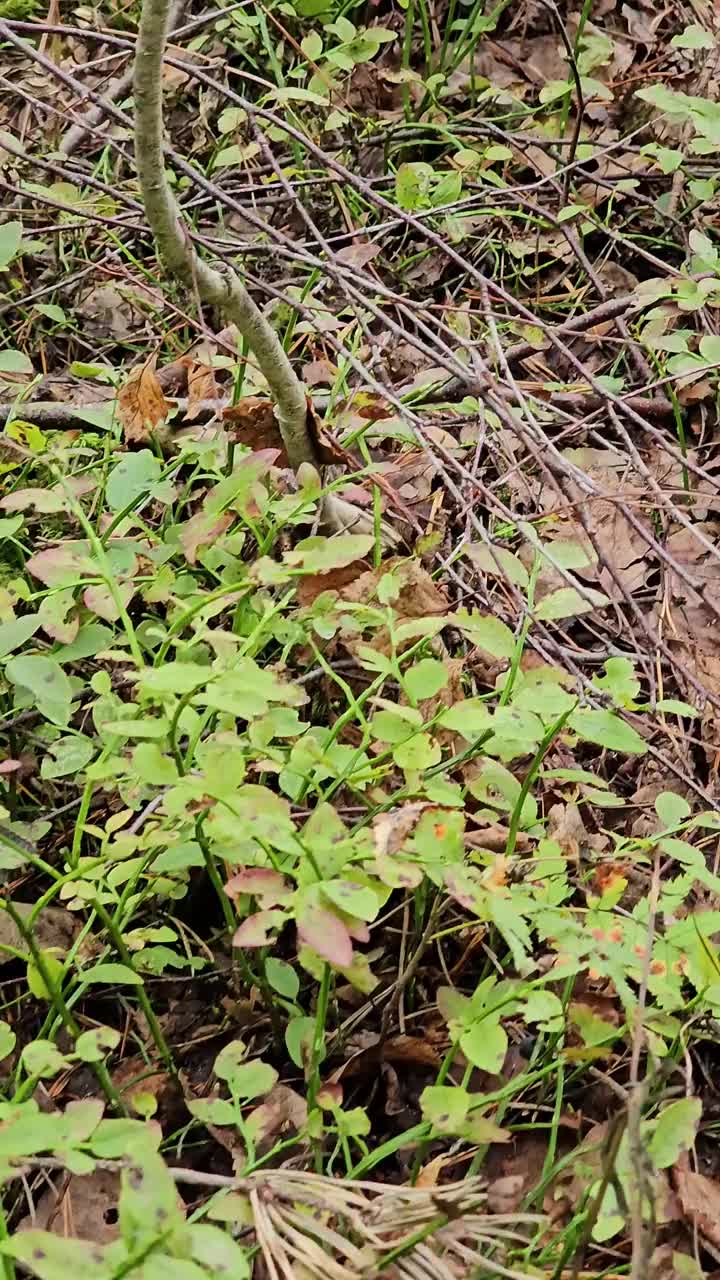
223	290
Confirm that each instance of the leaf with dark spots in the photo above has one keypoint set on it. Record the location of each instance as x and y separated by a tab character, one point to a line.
327	935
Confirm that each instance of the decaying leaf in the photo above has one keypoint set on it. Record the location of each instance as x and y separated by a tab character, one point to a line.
141	404
84	1207
252	422
201	387
699	1198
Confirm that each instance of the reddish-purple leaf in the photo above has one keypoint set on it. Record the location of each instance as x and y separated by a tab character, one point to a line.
263	883
59	566
327	935
46	501
254	932
100	602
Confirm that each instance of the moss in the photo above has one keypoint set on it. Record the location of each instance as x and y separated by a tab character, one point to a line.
18	10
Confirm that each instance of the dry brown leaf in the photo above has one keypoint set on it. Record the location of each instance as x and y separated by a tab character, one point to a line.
282	1113
54	928
419	596
82	1208
311	585
613	537
566	827
699	1199
358	254
141	403
319	373
253	423
201	387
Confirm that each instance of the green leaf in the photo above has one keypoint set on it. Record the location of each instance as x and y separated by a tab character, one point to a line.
693	37
52	1257
445	1107
253	1079
133	476
568	602
486	632
282	978
675	707
46	681
287	93
397	725
471	718
143	728
354	899
710	348
484	1044
299	1034
115	974
50	310
94	1045
173	678
17	632
619	681
10	240
671	809
498	562
150	1208
320	555
545	1008
14	362
69	755
413	184
417	753
43	1058
312	45
222	1258
674	1131
426	678
7	1040
607	730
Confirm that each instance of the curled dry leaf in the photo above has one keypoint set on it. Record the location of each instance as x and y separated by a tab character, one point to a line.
252	422
141	405
201	387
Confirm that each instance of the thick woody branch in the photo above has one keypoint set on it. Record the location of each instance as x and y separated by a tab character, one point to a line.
223	290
